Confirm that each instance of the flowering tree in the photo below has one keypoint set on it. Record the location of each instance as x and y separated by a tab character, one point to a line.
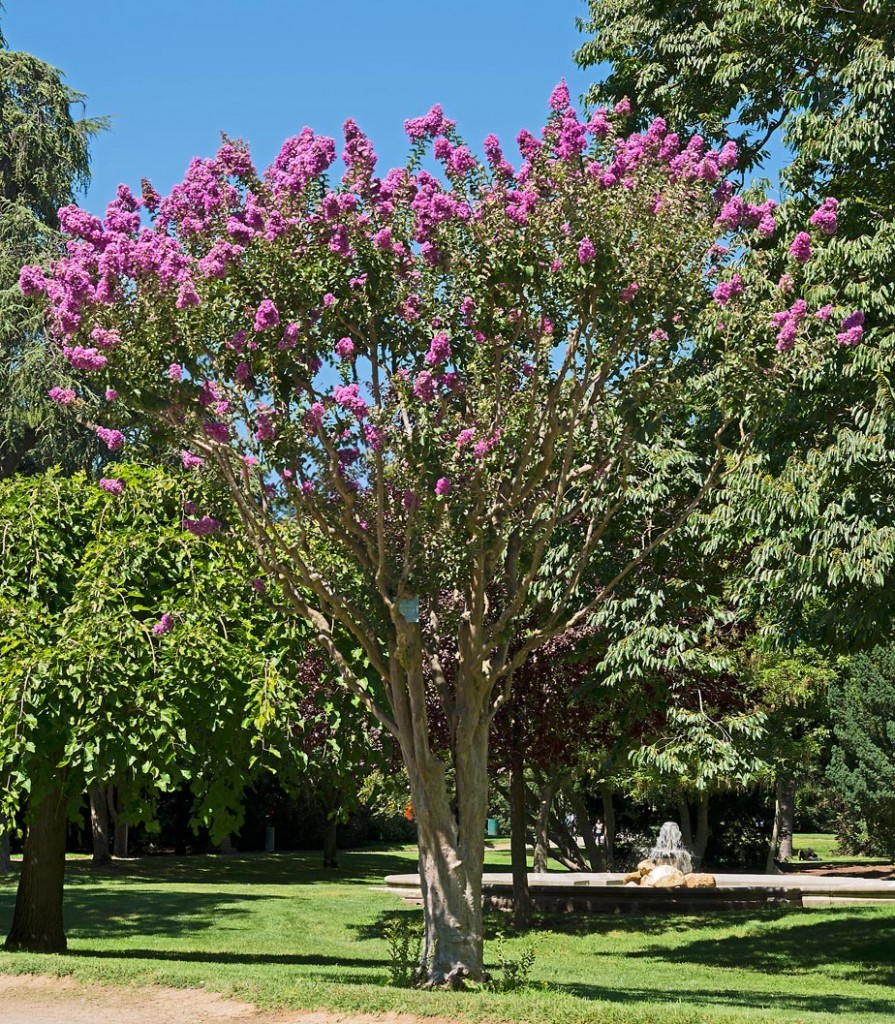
490	392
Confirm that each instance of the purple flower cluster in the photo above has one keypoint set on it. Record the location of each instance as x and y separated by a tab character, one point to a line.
348	397
787	321
314	418
84	358
800	250
62	396
113	486
852	329
586	251
824	218
439	349
201	527
345	348
429	126
164	625
737	213
191	461
443	486
112	439
727	290
267	315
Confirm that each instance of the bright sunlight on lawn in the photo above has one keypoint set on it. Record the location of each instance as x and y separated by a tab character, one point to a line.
280	932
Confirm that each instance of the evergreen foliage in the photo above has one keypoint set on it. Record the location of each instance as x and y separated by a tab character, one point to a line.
44	162
862	765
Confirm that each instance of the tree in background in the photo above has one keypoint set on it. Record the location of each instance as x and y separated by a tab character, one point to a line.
535	392
862	765
44	162
813	508
131	653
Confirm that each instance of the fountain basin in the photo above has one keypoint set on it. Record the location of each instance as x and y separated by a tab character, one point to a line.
606	893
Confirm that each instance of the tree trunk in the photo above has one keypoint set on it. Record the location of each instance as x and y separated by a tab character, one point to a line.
784	815
771	863
683	809
5	854
119	839
518	852
787	804
585	827
450	833
330	845
37	925
542	828
99	820
606	791
702	830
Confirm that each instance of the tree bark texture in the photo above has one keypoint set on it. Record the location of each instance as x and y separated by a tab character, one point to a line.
120	829
683	810
99	821
606	792
771	863
37	925
786	800
518	852
542	828
586	828
5	853
701	838
450	827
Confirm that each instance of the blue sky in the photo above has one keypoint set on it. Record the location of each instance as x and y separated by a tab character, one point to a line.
173	75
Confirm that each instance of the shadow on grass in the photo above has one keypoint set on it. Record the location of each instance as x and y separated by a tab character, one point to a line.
859	948
191	956
119	913
715	997
249	869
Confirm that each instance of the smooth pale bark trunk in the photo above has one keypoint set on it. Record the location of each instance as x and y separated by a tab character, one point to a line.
450	832
518	852
780	845
99	821
787	803
542	826
606	792
37	925
771	863
683	810
586	828
701	839
5	853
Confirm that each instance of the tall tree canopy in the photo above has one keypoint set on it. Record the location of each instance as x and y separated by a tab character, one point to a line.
44	162
815	515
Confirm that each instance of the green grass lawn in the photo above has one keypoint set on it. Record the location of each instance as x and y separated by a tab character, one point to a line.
825	846
280	932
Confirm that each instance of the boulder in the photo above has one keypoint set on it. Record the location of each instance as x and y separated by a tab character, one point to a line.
645	866
700	880
665	877
633	877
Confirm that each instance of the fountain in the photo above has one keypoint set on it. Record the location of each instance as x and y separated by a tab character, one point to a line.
670	849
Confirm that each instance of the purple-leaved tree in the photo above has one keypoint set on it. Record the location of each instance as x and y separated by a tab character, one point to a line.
456	409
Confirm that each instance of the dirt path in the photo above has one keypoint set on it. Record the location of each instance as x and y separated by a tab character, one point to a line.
39	999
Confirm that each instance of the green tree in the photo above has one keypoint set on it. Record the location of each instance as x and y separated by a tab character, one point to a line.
862	765
811	512
44	163
131	652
